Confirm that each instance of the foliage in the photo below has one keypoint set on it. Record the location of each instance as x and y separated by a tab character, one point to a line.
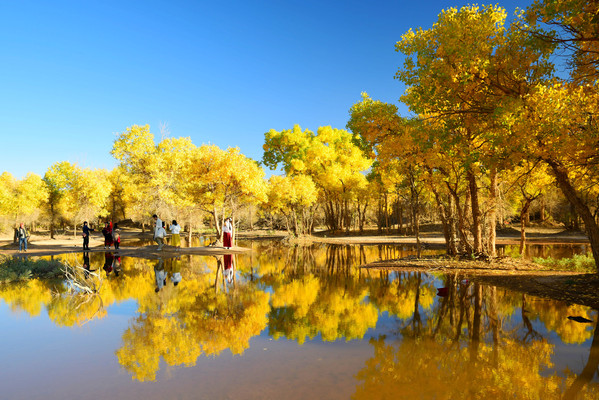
13	269
330	158
577	263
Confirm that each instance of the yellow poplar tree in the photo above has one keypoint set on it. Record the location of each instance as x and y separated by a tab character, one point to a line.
219	181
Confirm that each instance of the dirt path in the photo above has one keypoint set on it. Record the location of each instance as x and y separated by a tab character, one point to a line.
43	246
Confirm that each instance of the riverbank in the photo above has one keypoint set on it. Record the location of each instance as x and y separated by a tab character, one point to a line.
40	244
517	274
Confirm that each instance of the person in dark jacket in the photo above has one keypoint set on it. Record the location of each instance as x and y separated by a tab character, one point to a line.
86	230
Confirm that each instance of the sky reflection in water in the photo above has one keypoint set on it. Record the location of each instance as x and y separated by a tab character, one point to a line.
292	323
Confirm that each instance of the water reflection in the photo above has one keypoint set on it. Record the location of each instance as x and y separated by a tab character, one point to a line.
429	335
558	250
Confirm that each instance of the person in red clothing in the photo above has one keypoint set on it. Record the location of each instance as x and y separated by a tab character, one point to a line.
107	232
227	233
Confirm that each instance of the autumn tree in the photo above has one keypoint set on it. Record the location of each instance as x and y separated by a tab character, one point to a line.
59	180
219	181
330	158
91	190
295	198
563	130
464	72
571	26
156	171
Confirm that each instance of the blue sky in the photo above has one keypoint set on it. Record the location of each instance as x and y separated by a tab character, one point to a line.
74	74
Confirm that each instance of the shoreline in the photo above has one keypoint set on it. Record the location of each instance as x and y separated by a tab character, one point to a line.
42	245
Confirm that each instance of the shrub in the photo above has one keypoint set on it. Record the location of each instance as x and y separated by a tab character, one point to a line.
14	269
578	263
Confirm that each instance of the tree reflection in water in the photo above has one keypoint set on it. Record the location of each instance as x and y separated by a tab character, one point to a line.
465	350
475	341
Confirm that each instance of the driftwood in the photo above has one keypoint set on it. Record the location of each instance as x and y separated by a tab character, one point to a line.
77	279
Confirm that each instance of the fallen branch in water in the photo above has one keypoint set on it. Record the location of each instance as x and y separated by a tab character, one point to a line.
77	284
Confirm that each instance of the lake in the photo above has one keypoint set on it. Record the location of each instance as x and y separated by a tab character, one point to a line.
293	323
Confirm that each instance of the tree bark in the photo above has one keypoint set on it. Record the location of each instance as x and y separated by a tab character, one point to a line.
461	223
492	235
590	224
523	212
51	221
476	214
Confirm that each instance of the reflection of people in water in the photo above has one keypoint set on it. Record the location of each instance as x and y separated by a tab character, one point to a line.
108	259
229	272
176	271
86	265
116	264
160	275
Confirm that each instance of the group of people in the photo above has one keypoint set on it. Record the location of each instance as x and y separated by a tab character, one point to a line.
112	262
161	273
160	233
112	234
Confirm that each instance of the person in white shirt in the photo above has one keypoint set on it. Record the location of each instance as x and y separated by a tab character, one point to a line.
160	236
176	237
157	227
160	275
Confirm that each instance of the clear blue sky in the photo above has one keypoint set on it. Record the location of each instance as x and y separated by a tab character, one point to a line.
74	74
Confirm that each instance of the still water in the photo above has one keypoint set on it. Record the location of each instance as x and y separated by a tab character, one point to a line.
288	322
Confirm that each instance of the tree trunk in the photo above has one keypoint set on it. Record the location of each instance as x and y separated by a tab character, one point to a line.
523	212
476	214
445	214
542	209
492	235
51	221
465	244
582	209
294	215
415	202
386	214
399	218
379	220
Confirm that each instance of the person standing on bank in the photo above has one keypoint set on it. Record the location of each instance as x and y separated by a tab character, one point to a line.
107	232
176	238
116	236
160	235
23	235
227	233
157	224
86	230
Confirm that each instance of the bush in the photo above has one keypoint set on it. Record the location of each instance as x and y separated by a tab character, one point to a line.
21	269
578	263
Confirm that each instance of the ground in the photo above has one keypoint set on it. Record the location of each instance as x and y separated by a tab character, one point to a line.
42	245
515	274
